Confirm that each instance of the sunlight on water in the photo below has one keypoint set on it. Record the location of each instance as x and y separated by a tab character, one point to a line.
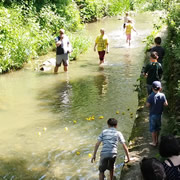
47	130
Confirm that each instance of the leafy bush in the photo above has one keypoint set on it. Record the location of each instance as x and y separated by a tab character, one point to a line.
25	33
90	10
79	43
172	64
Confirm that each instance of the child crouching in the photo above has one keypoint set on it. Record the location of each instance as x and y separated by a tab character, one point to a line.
110	138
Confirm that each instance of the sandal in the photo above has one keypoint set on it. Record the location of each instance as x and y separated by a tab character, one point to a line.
152	144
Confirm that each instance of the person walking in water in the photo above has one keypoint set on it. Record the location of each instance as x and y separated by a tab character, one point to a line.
110	138
102	44
63	48
129	27
126	20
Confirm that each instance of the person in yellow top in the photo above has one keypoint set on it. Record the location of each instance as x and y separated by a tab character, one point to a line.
129	27
102	44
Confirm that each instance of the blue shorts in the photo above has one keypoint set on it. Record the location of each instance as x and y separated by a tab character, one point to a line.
155	122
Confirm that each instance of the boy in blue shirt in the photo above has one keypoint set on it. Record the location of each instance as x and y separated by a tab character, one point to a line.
110	138
156	101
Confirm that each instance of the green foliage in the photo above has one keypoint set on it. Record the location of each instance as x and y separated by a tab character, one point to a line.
90	10
21	38
172	64
26	33
80	44
117	7
150	39
150	5
172	45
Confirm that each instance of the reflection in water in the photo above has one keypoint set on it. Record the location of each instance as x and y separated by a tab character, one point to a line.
101	82
44	129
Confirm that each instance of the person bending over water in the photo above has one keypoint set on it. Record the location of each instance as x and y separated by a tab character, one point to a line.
110	138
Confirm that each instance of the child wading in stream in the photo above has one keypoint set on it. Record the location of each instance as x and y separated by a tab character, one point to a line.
129	27
126	20
156	101
102	44
110	138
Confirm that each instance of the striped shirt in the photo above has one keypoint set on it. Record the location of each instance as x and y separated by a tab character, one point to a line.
110	138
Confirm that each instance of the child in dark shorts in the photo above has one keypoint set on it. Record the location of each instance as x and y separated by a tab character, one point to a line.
110	138
156	101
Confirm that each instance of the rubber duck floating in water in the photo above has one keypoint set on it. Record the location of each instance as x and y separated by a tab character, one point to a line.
90	118
101	117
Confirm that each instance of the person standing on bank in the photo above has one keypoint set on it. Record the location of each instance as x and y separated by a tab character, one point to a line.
63	48
153	71
156	101
102	44
159	49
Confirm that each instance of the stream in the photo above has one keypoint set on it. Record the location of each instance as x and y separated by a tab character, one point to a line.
47	130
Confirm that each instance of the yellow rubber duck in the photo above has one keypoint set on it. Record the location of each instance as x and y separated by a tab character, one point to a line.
78	153
39	133
89	119
92	117
117	112
90	155
74	121
101	117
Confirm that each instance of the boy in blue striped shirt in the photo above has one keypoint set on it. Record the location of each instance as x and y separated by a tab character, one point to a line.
110	138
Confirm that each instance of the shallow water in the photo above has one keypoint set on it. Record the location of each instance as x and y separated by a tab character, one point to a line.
44	133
